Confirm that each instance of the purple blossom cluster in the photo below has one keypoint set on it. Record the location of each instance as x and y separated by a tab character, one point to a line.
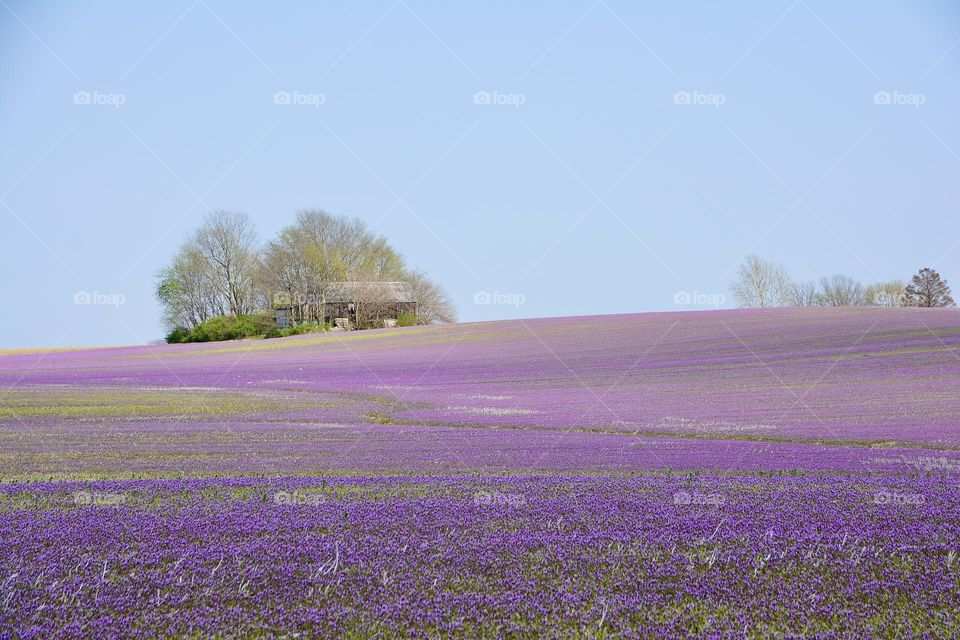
784	473
562	556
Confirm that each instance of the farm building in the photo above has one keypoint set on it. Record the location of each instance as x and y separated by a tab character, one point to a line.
349	304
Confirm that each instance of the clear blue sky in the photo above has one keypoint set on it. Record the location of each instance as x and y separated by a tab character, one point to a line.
581	184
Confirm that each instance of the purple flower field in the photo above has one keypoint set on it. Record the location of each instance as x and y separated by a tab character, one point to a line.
777	473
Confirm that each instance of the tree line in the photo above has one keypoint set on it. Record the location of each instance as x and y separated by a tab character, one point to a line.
764	283
222	271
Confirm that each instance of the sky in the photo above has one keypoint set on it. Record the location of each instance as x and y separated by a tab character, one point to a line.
536	158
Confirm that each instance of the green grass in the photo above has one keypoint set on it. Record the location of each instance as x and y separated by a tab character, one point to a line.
98	403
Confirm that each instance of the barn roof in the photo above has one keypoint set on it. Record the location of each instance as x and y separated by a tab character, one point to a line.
370	291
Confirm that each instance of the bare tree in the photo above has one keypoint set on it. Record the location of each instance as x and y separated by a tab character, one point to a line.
761	283
284	278
928	289
840	291
371	301
185	290
803	294
434	305
886	294
211	274
227	240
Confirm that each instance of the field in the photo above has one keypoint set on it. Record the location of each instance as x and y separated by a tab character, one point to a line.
776	473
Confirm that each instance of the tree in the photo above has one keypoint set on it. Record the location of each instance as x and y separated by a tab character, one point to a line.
186	291
803	294
344	248
313	258
219	271
211	274
928	289
840	291
885	294
433	303
761	283
283	276
227	240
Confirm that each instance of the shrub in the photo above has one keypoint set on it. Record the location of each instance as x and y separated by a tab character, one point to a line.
298	329
407	320
179	334
225	328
